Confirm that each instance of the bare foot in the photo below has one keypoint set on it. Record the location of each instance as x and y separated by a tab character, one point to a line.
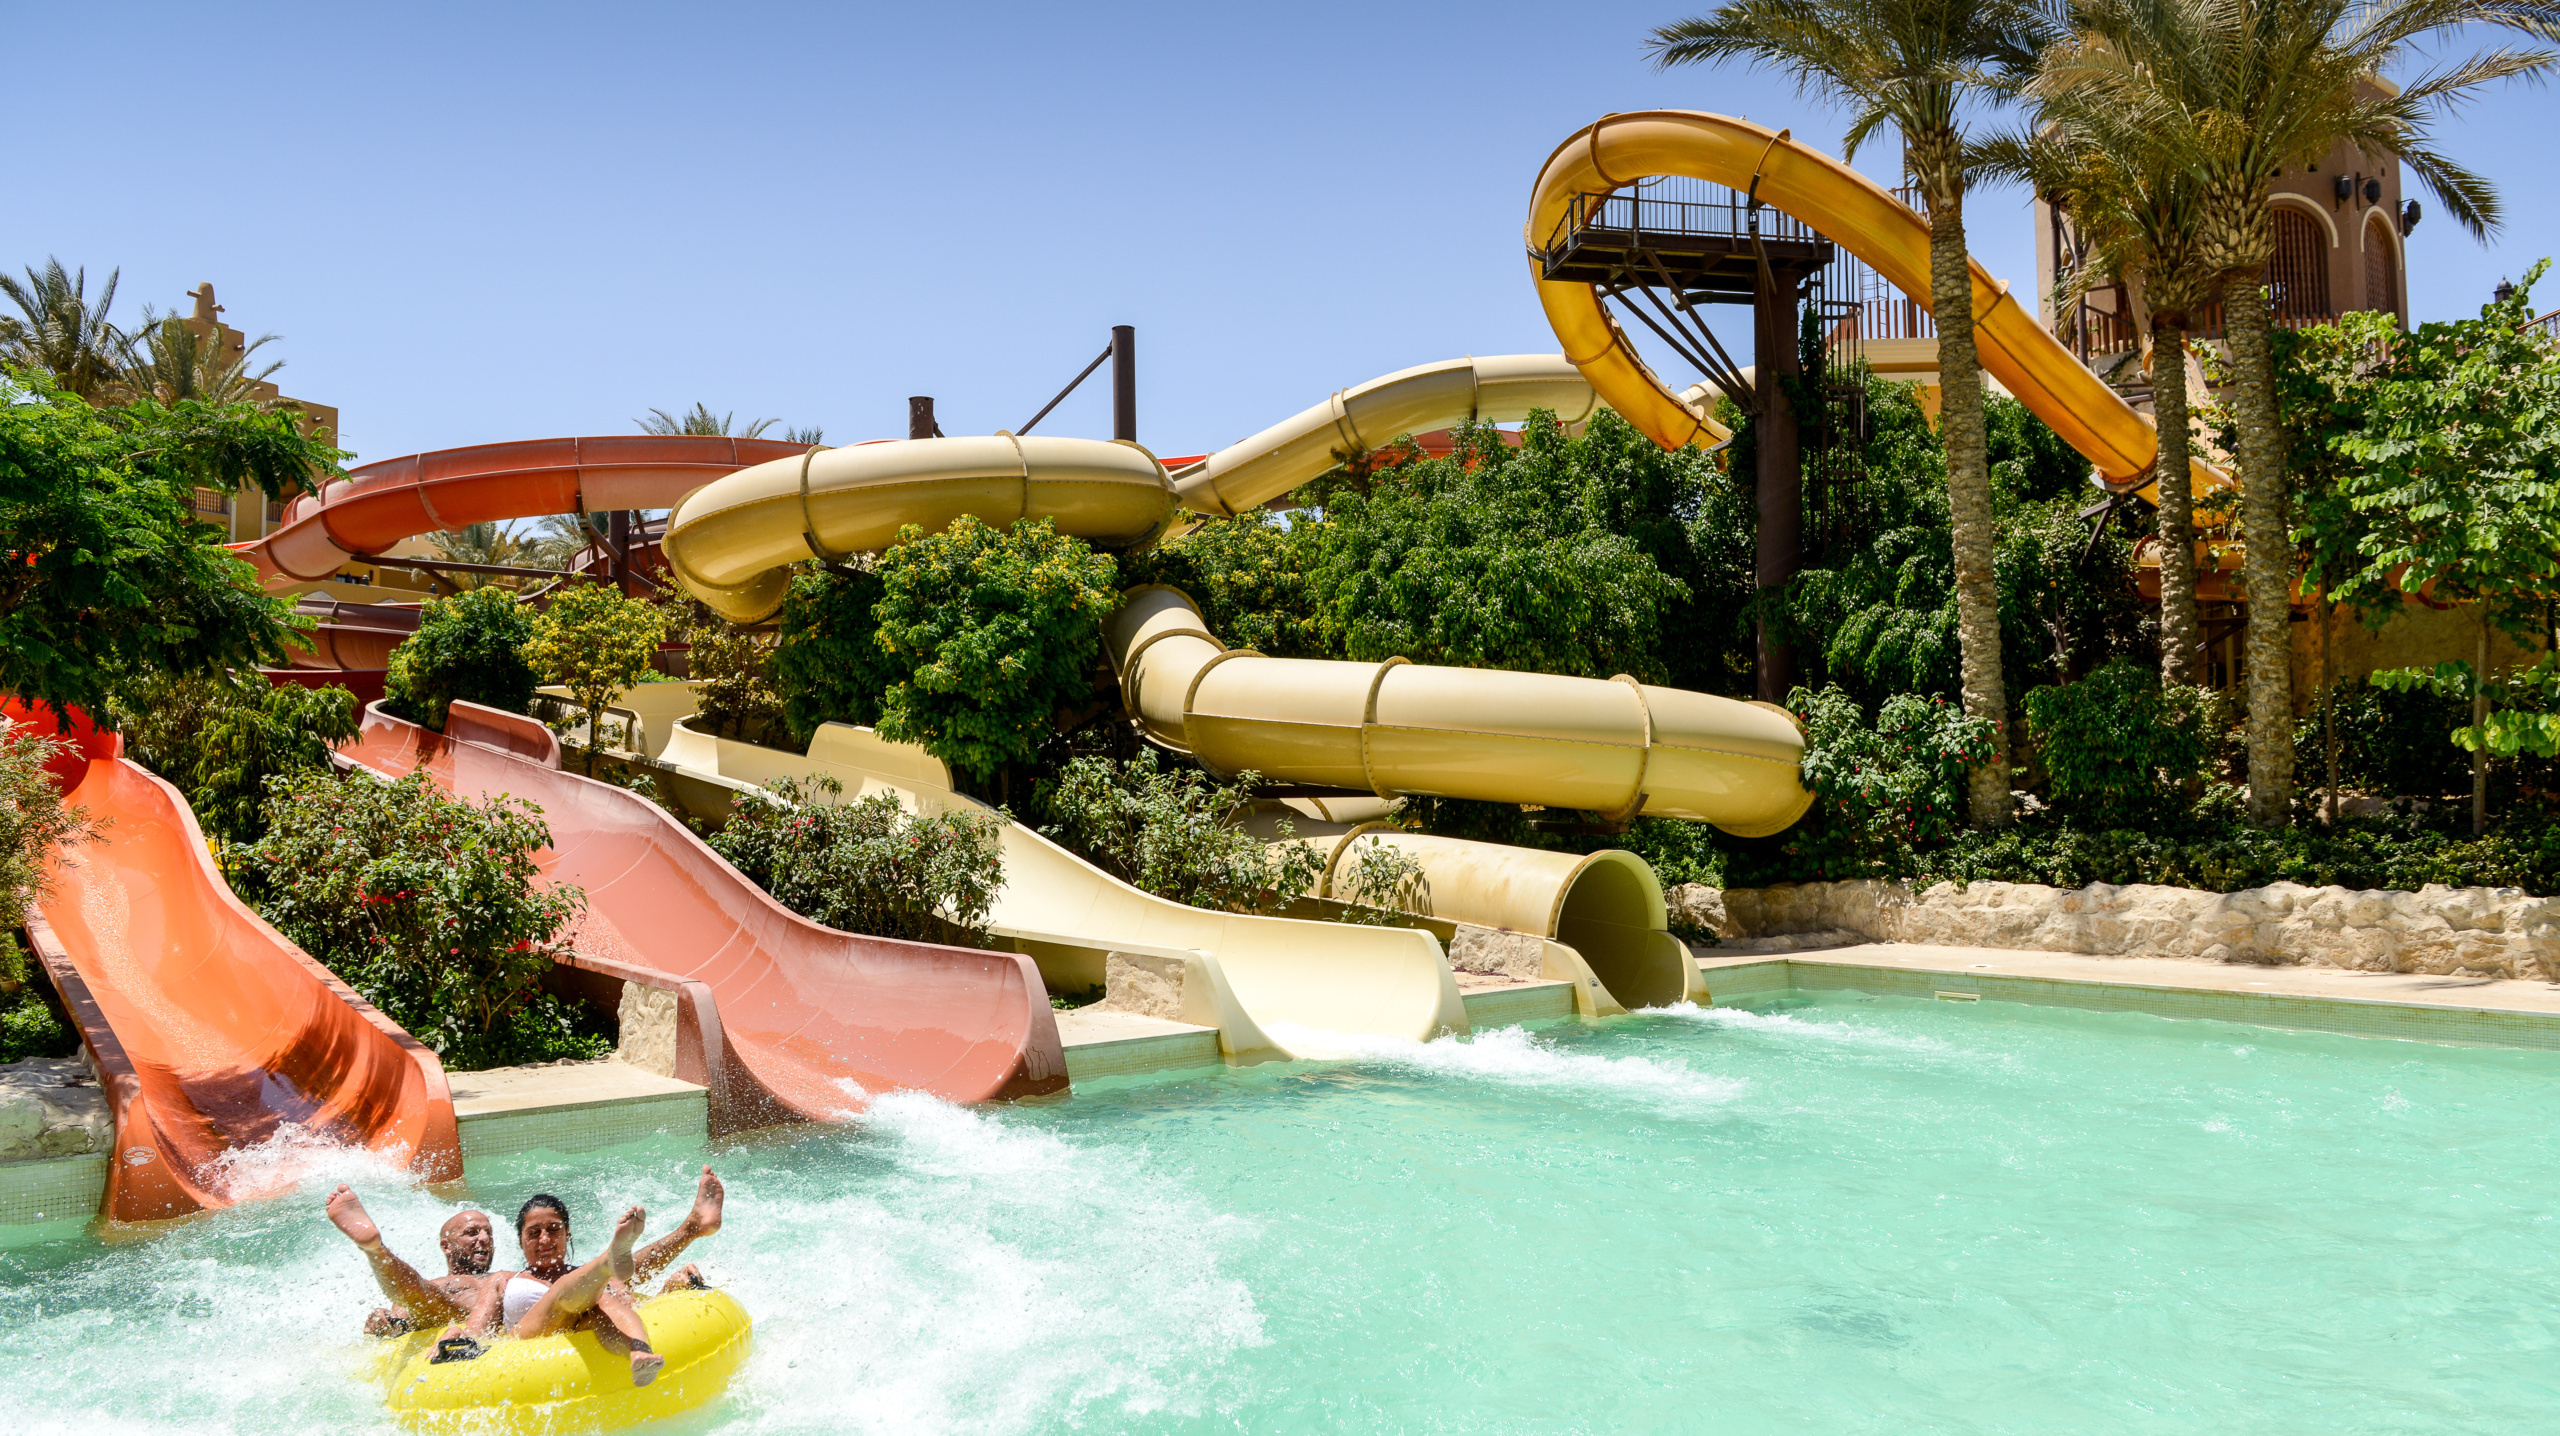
347	1213
708	1198
626	1233
686	1278
644	1366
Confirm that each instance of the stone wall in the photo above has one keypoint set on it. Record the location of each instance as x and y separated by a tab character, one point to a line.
648	1018
2485	932
52	1107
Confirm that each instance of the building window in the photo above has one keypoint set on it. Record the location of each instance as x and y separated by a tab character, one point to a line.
2298	275
2381	267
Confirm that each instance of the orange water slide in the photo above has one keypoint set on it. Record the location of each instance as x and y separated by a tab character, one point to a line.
210	1031
378	505
782	1019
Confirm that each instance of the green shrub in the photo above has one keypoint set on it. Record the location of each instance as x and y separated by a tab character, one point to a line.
732	671
1883	794
2117	748
1164	831
990	632
868	865
1379	882
218	740
470	648
2229	856
28	1027
429	905
1249	576
828	665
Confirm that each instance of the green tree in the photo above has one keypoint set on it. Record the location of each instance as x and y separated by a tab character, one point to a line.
867	865
597	643
700	420
828	665
1249	574
1913	65
470	647
35	825
991	632
431	906
2243	90
732	672
104	570
168	362
1500	558
1168	831
479	543
219	739
2458	486
57	330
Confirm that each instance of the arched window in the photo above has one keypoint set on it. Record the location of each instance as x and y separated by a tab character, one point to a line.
2298	275
2381	266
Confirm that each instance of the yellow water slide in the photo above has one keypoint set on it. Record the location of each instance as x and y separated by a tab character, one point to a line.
1852	211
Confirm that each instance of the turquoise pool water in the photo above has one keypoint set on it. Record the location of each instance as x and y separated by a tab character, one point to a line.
1834	1215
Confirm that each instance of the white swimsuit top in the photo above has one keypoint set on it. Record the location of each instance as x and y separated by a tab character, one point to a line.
522	1293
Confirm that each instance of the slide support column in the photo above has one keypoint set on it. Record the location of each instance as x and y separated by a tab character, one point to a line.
1124	382
1779	446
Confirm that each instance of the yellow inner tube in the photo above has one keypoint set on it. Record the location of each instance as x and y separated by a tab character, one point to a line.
571	1383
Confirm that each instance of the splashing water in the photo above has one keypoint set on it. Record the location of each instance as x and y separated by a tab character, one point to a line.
1975	1218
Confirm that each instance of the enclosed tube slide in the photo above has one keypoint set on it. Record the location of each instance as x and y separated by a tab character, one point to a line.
1615	747
1242	972
210	1031
1854	212
799	1022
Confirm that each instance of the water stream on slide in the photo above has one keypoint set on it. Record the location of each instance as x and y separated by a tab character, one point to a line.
1841	1215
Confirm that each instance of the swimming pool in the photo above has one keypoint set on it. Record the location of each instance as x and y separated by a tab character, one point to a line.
1840	1214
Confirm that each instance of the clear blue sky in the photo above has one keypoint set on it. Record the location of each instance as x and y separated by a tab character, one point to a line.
474	223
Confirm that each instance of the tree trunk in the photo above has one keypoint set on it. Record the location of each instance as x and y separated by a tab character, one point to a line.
2480	726
1960	426
2181	630
2269	563
2328	613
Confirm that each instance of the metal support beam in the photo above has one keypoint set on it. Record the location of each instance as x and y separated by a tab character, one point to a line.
920	424
1124	382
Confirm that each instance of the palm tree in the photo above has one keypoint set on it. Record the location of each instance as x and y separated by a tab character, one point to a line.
699	420
476	543
2244	89
59	331
2132	201
170	361
1914	65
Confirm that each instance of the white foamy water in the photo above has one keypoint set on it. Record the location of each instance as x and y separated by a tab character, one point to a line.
296	1156
929	1269
1516	1057
1784	1025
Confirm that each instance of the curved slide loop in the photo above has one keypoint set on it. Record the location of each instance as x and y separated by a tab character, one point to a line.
1854	212
210	1031
1247	972
1487	734
814	1022
378	505
729	540
1497	388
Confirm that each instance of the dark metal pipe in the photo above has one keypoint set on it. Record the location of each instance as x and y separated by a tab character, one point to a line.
1124	382
920	424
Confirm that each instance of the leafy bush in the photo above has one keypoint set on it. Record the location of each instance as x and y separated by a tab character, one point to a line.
470	648
1164	831
990	632
596	642
429	905
1249	574
34	821
28	1027
1882	794
218	740
732	670
2115	746
868	865
828	665
2228	856
1379	882
1496	558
